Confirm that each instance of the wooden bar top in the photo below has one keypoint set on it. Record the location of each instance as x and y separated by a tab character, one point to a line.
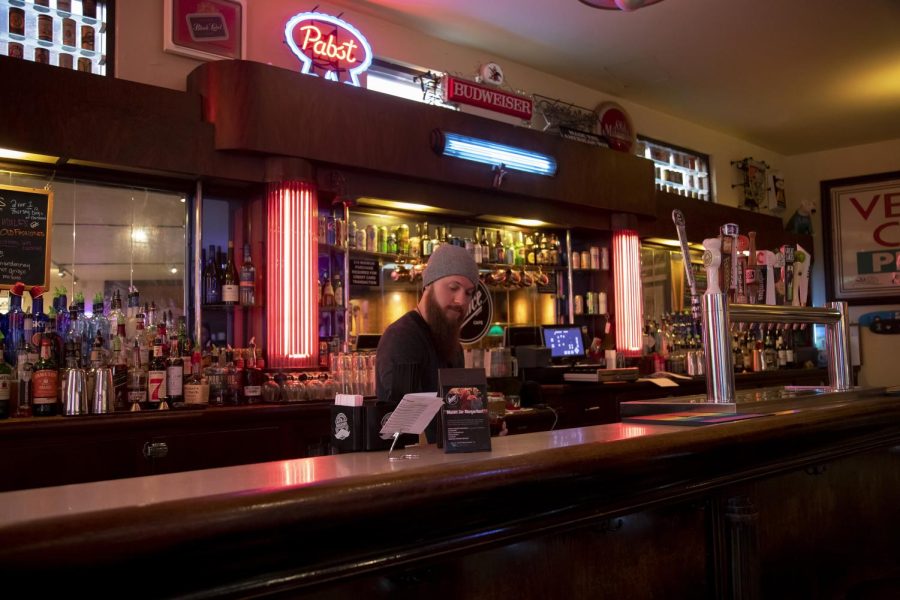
309	521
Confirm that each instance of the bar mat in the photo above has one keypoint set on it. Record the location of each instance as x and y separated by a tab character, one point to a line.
692	418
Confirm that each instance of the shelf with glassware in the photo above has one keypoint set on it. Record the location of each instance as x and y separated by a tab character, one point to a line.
591	284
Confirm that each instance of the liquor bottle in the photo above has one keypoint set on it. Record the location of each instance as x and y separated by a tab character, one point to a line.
789	350
248	279
253	376
56	341
175	374
6	375
771	354
119	359
327	292
115	317
233	384
137	379
16	322
520	250
193	386
487	254
45	381
426	242
473	247
131	312
338	291
98	323
140	342
156	377
781	351
499	252
184	341
211	291
415	243
24	372
230	279
38	318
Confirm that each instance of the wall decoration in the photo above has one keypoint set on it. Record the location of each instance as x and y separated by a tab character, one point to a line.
861	237
205	29
614	124
753	180
777	200
328	46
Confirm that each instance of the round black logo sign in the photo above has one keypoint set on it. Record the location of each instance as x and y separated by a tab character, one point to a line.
481	313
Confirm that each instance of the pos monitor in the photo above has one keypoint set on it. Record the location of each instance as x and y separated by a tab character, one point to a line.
565	342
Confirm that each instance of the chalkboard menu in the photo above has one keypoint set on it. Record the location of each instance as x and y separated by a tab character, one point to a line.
26	216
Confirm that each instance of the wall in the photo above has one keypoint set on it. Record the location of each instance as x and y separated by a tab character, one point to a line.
139	57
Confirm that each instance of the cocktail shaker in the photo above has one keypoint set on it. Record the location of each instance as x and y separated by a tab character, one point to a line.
103	399
75	396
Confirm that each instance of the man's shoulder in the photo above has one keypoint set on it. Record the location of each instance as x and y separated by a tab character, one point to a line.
405	324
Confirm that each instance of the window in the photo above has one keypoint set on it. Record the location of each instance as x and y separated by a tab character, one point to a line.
678	170
71	34
405	82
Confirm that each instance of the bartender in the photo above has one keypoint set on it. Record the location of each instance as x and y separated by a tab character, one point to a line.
426	339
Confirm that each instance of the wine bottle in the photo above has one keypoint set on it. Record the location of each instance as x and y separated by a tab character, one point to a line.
211	279
230	279
248	279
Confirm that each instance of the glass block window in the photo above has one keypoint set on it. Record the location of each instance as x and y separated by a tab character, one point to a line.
70	34
678	170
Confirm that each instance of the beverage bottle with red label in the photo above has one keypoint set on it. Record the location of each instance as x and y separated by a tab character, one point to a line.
45	383
156	377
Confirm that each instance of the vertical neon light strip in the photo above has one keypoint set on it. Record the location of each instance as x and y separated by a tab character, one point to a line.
627	285
292	256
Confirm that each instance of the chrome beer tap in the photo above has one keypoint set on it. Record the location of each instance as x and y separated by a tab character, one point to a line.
678	219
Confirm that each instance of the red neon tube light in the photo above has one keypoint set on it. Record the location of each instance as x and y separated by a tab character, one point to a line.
627	285
292	256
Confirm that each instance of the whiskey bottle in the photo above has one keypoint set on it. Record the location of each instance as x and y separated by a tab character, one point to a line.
45	380
253	377
174	374
230	279
156	377
248	279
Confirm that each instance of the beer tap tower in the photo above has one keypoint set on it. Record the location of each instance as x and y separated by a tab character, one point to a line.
717	314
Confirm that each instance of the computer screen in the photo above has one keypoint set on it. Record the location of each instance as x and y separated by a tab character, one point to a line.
564	341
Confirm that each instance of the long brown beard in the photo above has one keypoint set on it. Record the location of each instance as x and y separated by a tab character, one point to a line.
444	330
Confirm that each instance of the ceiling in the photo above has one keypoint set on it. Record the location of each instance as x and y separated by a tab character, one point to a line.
793	76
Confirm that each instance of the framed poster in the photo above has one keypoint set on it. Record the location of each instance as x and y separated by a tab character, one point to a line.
26	218
205	29
861	238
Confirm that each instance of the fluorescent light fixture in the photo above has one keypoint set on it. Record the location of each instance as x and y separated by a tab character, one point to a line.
491	153
29	156
139	235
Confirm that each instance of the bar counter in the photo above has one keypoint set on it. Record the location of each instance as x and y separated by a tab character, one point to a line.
801	502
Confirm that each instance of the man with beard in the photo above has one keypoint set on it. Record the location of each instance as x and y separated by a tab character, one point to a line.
426	339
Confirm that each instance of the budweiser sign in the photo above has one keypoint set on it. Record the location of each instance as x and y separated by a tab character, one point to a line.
473	94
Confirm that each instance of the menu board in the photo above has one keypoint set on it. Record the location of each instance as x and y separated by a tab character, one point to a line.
26	216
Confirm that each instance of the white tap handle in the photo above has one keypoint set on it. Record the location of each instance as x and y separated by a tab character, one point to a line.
712	260
767	258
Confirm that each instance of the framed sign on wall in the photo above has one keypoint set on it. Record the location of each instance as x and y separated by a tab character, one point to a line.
205	29
861	238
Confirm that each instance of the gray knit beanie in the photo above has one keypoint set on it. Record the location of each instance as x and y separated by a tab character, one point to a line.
449	260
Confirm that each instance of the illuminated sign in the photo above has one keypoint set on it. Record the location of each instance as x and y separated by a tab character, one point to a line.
327	44
473	94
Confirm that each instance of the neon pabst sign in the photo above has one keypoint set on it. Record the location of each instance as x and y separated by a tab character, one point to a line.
329	45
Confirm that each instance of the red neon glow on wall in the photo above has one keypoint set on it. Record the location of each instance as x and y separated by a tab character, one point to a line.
292	256
627	285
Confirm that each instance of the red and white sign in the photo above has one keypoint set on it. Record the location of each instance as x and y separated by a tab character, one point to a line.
614	124
328	44
468	92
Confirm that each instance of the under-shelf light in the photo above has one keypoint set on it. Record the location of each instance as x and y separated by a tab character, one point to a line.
492	153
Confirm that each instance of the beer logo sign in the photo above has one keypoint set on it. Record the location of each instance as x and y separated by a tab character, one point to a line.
614	124
329	45
478	320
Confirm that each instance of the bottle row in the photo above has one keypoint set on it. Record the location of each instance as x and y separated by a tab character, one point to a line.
223	283
416	243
